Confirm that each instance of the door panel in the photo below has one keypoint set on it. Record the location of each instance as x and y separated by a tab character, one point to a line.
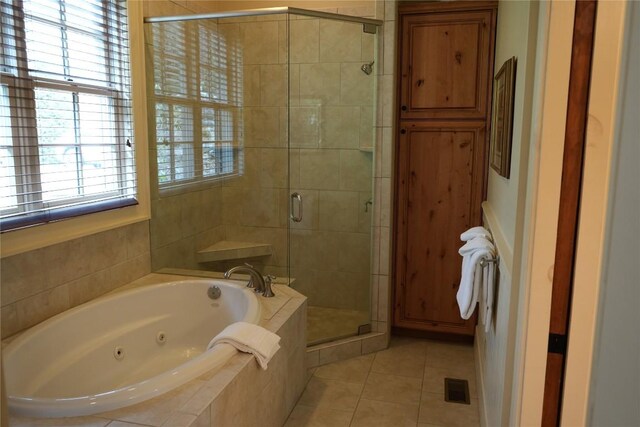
440	184
445	65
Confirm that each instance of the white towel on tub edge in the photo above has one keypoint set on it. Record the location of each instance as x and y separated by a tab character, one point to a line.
249	338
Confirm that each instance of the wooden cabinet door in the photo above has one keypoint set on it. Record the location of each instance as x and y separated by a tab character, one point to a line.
445	65
439	187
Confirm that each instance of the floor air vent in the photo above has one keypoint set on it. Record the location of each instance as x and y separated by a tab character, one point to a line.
456	391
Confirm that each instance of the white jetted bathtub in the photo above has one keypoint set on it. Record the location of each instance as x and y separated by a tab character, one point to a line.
123	348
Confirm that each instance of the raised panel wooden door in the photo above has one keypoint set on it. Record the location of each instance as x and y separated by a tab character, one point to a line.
440	185
445	65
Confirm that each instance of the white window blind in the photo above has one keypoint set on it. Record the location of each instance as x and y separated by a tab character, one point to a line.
195	92
66	142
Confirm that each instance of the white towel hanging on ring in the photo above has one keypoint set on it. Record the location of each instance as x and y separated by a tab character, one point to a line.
488	291
471	281
474	232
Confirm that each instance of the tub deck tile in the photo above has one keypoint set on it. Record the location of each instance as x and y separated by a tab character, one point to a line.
58	422
180	419
123	424
155	412
212	388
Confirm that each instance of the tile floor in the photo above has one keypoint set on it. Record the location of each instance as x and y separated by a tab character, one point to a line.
328	324
400	386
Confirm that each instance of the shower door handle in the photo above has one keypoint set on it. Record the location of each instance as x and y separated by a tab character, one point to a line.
298	197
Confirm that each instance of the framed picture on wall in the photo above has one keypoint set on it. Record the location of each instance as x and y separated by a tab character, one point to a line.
502	118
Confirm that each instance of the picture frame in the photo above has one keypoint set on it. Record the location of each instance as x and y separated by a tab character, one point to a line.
502	118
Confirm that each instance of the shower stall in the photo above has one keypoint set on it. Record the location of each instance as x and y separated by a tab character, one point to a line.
262	133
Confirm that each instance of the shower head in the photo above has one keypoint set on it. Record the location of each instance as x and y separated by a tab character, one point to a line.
367	68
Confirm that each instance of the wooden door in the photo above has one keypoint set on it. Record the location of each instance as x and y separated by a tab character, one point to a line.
445	65
440	180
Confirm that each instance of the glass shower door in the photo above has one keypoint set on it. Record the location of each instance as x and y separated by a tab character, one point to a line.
217	93
331	131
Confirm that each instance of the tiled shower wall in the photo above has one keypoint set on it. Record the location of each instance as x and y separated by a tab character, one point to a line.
184	219
325	156
259	73
38	284
182	223
255	204
331	162
386	10
251	206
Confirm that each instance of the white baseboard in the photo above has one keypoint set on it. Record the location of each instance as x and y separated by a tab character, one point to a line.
479	362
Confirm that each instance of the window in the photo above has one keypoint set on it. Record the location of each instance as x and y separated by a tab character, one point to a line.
195	96
65	110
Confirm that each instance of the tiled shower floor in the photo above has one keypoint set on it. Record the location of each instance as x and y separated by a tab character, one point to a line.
400	386
328	324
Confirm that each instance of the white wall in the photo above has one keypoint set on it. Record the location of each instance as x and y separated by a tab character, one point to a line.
504	211
615	379
515	36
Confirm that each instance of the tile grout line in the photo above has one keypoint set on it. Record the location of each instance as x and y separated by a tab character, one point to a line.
362	391
424	371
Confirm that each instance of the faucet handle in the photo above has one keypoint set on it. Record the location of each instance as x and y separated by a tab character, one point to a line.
268	280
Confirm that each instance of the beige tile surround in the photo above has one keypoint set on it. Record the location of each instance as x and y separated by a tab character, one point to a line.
222	398
39	284
331	119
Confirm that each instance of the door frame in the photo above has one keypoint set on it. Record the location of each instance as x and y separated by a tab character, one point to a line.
568	216
543	200
604	97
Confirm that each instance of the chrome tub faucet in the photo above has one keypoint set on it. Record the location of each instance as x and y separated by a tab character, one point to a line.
261	284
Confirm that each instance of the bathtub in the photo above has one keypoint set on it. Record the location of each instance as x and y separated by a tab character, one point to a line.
123	348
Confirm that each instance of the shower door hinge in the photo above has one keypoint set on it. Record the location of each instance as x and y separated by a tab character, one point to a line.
557	344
